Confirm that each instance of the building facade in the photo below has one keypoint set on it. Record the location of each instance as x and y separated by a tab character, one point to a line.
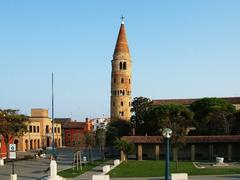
39	133
235	101
74	133
100	123
121	78
196	148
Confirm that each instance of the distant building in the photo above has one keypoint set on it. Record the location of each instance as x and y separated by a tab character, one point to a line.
75	133
63	121
39	133
233	100
100	123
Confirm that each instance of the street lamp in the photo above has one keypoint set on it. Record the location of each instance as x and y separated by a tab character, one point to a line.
167	133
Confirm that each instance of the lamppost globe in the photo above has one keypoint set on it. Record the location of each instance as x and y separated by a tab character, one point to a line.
167	133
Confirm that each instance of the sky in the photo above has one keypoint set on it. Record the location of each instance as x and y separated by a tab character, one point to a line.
179	49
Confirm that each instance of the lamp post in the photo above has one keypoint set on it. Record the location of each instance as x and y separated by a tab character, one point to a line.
167	133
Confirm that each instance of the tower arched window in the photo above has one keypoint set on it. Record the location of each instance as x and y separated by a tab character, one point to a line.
114	80
121	103
122	80
124	65
129	81
120	65
123	92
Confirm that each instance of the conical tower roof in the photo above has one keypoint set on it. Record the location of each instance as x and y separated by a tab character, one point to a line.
121	48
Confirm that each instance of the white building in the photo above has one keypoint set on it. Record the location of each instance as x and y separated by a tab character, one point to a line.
100	123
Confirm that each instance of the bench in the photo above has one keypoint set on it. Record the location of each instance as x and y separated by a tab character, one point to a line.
106	168
100	177
179	176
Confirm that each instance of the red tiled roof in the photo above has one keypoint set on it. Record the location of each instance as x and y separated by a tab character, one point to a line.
74	125
189	139
232	100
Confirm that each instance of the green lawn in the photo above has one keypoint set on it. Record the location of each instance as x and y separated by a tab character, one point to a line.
69	173
153	168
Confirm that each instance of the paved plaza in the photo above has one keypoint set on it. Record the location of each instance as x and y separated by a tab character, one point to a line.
36	168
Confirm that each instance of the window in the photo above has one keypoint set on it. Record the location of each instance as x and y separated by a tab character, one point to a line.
120	65
30	128
37	128
47	129
122	80
123	92
55	130
124	65
129	81
58	130
121	113
121	103
69	135
114	80
34	129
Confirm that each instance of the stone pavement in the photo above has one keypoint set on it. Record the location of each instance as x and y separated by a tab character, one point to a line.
33	169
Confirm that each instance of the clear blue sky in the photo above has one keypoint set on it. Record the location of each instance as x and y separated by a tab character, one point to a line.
179	49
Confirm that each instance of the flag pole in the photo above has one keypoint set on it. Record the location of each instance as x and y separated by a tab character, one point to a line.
53	143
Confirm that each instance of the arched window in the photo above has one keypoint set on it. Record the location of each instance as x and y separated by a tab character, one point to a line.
114	80
120	65
122	80
121	103
123	92
124	65
129	81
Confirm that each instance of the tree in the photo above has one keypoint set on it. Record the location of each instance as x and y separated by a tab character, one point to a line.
124	146
90	142
176	117
117	129
213	116
139	107
12	125
101	140
236	123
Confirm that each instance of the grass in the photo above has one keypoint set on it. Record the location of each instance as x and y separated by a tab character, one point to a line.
70	173
150	168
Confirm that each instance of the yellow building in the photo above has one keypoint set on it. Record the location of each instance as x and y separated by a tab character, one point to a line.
39	133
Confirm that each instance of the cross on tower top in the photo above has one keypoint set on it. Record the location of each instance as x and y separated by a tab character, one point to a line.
122	18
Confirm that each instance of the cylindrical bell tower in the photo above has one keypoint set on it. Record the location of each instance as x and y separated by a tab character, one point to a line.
121	79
